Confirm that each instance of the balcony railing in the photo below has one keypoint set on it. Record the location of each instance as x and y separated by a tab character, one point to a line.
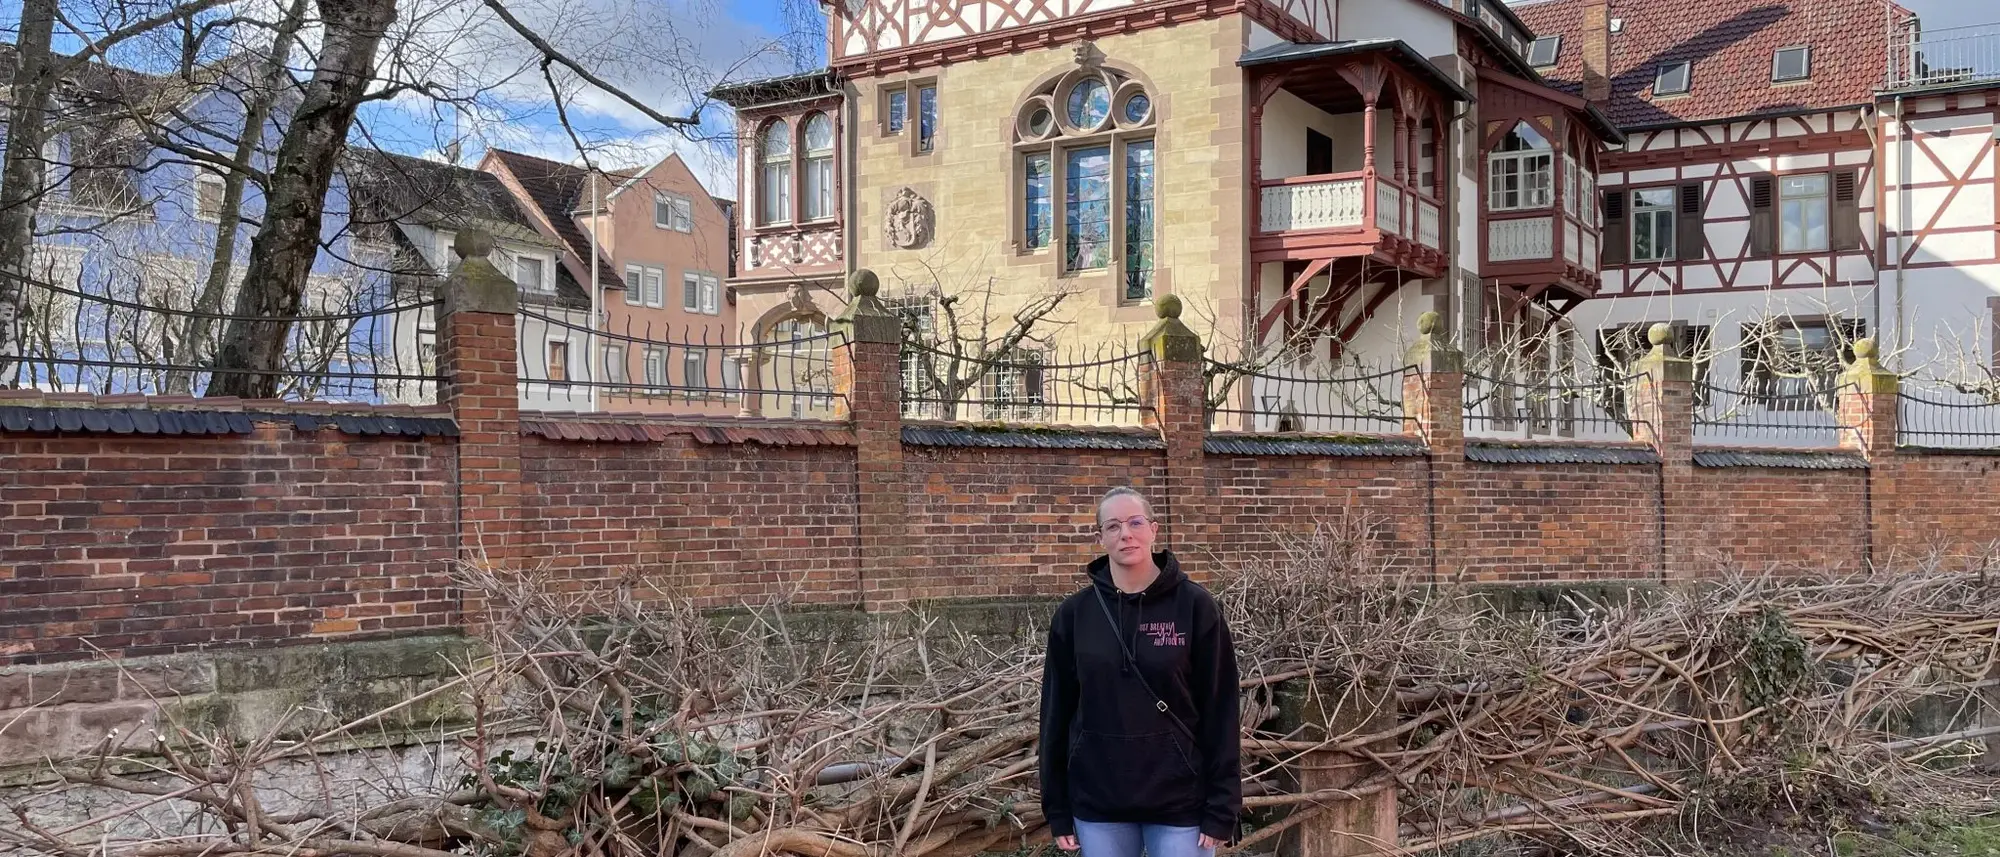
1311	202
1945	56
1388	208
1519	239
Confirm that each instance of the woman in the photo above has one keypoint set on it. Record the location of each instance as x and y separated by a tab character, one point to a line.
1139	744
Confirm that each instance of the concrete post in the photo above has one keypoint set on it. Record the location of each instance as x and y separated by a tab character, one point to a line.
868	378
1434	411
1662	414
1174	387
1364	825
477	348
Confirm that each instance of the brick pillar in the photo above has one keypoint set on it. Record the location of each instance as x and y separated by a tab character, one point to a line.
1868	416
1662	414
476	356
1434	411
868	376
1173	382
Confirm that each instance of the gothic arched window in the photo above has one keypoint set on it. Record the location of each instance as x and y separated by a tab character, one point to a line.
1084	175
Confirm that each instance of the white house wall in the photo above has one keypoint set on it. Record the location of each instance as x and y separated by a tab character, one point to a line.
1424	26
1939	306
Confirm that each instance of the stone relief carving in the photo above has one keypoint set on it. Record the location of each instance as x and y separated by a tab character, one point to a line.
909	221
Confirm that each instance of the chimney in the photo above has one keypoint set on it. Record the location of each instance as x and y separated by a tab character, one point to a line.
1597	51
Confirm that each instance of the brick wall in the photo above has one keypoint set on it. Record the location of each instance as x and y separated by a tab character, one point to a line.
1943	509
1546	522
1761	519
1255	502
155	544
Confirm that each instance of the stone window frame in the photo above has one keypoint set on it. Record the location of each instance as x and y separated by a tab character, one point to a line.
1116	132
912	91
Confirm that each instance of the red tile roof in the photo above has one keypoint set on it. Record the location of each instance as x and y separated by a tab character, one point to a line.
557	189
1729	44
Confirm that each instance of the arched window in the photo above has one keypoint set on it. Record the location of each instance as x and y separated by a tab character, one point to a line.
1086	143
774	179
1520	173
818	168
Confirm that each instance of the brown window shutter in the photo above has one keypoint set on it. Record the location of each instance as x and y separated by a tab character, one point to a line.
1846	214
1763	218
1617	230
1690	241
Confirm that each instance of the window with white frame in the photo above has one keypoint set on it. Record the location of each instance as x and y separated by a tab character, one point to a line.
673	211
917	313
1086	143
648	283
817	167
656	367
532	273
1803	213
774	177
615	369
694	368
208	193
701	293
558	361
1653	216
1013	389
1674	78
1793	63
1542	54
1520	173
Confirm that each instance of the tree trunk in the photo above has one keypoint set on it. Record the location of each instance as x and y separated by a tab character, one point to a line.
194	346
22	176
287	243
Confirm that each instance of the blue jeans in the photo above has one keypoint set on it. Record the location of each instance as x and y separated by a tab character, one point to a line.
1112	839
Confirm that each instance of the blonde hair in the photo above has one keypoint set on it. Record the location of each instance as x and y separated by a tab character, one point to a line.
1123	491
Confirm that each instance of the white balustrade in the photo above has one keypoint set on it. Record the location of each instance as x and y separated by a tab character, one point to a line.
1520	238
1427	225
1572	243
1317	205
1388	208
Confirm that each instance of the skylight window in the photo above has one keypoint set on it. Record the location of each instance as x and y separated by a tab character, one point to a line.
1673	79
1543	53
1794	63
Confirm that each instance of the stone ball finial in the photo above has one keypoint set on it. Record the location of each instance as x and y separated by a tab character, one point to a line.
1660	333
1864	349
1427	323
1168	306
472	244
863	283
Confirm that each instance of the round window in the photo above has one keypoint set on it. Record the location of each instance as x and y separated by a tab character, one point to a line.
1040	122
1089	103
1137	107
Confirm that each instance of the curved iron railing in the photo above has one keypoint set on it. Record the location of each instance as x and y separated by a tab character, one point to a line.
1555	408
1793	412
1307	398
564	364
352	349
1026	386
1947	415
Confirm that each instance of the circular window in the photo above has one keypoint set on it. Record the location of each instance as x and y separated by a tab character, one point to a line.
1089	103
1040	122
1137	107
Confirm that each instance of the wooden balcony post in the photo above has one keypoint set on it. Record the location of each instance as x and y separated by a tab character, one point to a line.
1400	158
1368	160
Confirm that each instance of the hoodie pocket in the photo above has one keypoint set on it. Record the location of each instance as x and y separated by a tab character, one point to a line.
1124	776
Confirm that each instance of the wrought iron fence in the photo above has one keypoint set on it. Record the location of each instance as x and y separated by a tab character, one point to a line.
1557	408
1948	415
357	346
1025	386
1308	397
1790	412
566	365
1951	55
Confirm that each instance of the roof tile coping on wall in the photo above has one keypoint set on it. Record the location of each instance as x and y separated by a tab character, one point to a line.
1004	436
1799	459
1346	446
644	428
1490	452
42	412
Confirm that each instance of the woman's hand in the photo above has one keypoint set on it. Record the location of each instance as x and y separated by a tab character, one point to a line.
1068	843
1210	842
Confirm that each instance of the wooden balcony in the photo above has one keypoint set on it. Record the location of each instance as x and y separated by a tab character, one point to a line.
1349	214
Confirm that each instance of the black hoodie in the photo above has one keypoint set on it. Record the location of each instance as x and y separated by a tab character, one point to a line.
1108	753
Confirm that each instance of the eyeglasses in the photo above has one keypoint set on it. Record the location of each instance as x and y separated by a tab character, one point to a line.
1112	528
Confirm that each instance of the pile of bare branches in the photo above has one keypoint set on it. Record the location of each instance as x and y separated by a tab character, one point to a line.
622	722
